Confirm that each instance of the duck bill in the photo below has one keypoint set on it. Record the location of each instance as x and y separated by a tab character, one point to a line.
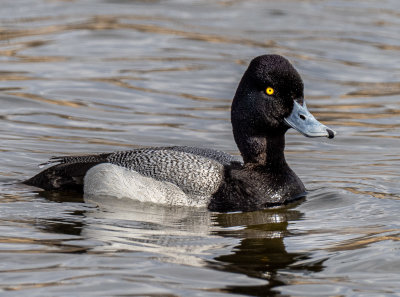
303	121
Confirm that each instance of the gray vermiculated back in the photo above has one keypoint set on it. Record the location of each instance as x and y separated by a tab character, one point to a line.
197	171
99	158
219	156
193	173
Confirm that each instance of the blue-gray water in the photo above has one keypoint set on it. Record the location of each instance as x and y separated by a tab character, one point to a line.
102	75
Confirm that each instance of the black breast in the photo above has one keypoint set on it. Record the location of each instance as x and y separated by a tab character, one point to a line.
253	188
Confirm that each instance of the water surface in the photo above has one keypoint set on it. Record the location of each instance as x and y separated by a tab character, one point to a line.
100	75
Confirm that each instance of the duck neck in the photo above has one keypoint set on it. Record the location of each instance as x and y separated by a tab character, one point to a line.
264	151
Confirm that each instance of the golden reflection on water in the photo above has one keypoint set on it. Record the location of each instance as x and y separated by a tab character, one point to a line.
50	138
112	23
173	69
46	245
11	76
118	81
48	100
118	22
378	195
106	22
362	242
374	89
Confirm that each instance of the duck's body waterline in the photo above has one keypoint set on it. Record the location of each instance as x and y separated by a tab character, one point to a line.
269	100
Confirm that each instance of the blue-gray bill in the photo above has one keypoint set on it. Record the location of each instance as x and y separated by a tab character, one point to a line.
304	122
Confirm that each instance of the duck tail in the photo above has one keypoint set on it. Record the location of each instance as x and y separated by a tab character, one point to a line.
67	174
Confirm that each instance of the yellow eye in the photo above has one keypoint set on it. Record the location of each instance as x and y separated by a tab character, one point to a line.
269	91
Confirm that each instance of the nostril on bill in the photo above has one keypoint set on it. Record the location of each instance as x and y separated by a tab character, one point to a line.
331	134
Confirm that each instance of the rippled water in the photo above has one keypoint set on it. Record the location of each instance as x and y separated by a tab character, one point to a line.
104	75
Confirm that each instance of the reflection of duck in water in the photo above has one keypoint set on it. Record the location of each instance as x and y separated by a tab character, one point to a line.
236	252
261	253
268	101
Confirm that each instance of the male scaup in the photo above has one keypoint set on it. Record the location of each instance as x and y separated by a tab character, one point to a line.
268	101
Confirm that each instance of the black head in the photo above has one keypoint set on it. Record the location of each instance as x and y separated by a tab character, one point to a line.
269	100
266	95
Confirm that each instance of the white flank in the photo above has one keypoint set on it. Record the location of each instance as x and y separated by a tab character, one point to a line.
116	181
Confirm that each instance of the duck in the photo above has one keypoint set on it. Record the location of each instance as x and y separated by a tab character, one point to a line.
268	101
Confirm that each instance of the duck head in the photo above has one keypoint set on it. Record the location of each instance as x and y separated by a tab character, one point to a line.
269	100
